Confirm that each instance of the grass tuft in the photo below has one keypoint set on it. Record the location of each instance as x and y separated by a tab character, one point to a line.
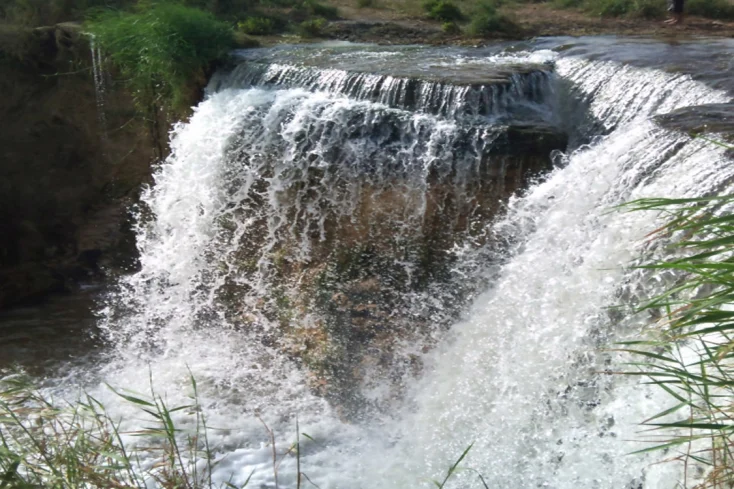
312	28
68	446
162	49
691	355
257	26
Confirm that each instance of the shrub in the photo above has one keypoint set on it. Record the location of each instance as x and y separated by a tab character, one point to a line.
487	21
442	10
648	9
568	3
610	8
312	8
162	49
715	9
450	28
257	26
365	3
226	9
312	28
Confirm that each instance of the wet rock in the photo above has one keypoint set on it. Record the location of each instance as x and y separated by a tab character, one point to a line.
66	180
701	119
537	139
28	281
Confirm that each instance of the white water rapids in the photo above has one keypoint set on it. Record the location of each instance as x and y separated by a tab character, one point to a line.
520	375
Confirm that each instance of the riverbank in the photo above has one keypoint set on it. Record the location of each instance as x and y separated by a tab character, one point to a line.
393	25
404	23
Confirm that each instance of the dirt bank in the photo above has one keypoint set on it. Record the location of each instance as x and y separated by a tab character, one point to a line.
395	25
73	162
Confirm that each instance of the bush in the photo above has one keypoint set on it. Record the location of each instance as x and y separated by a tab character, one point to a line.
443	10
257	26
450	28
610	8
312	8
231	10
648	9
714	9
568	3
365	3
487	21
162	49
312	28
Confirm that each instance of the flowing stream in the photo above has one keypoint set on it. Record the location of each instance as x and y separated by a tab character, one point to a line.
497	265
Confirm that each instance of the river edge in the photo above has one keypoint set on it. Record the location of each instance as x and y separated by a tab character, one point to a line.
387	26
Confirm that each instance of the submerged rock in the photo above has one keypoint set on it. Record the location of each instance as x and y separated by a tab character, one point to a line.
701	119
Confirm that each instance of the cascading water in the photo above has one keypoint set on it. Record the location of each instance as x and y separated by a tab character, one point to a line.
267	185
98	74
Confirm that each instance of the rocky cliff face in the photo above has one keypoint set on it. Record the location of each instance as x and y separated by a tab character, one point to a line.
71	164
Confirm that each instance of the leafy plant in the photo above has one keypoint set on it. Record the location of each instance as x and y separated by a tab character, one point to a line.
690	354
442	10
715	9
76	445
312	28
44	444
488	21
568	3
162	50
451	28
307	9
257	26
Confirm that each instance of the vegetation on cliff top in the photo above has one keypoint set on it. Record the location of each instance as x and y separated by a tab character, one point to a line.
160	50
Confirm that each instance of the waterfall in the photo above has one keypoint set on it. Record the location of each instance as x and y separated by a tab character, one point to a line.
98	74
284	169
524	87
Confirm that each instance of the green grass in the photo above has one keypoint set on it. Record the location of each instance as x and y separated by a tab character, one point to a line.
714	9
487	21
312	28
162	50
696	314
442	10
44	443
257	26
71	445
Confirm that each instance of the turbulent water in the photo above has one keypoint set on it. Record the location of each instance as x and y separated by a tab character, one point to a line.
285	163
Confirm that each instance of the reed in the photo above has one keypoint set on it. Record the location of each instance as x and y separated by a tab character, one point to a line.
44	443
690	354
